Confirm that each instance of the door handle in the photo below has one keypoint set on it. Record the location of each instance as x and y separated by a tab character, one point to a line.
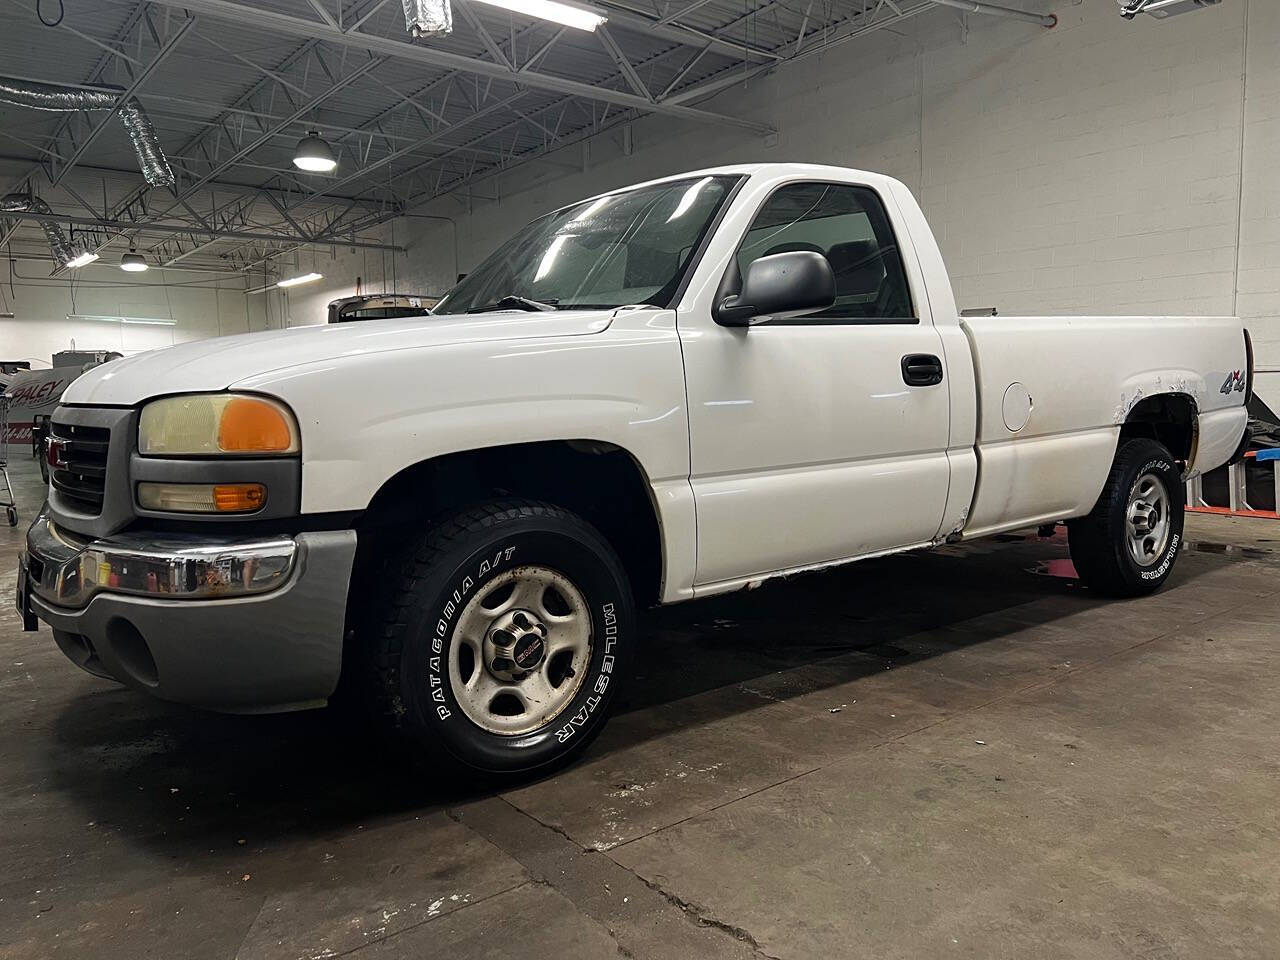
921	370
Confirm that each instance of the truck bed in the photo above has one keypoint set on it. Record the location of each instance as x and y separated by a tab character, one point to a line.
1074	380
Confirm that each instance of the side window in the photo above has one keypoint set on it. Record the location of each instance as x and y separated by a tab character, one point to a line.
848	225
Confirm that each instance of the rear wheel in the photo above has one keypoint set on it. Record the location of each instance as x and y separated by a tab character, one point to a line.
1127	546
505	638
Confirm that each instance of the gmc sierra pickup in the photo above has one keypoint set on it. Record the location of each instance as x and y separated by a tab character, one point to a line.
668	391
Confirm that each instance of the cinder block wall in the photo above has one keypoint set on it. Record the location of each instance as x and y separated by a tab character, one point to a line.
1101	166
200	304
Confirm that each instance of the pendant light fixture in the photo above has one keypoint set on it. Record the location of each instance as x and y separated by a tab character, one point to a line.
133	261
314	155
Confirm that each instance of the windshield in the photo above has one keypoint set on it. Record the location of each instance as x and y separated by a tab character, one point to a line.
624	248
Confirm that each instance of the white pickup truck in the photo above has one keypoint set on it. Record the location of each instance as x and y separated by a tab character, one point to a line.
669	391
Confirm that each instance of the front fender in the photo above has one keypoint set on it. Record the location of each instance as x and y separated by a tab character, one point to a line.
365	418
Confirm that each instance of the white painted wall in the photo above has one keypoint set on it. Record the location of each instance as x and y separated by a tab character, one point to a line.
1101	166
423	269
1094	167
202	305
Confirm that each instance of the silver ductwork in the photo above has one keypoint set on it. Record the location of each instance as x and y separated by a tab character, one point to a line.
151	158
59	245
47	96
428	18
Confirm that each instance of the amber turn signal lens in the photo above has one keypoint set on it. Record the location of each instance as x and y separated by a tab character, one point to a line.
202	497
239	497
249	424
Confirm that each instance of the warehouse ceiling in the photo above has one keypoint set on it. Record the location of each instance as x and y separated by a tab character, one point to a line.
230	87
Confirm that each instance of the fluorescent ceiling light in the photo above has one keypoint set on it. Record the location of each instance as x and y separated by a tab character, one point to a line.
153	321
305	278
83	259
581	18
133	262
314	155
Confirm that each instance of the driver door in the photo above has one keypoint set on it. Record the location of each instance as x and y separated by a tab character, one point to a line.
809	445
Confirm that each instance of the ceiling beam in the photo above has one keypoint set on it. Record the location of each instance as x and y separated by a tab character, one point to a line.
995	10
324	14
365	16
713	86
94	75
673	32
727	78
405	151
833	34
223	186
303	110
139	79
623	64
431	56
144	227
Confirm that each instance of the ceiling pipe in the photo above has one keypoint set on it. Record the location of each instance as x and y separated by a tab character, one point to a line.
36	95
995	10
434	56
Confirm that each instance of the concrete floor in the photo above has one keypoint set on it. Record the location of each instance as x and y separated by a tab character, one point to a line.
959	754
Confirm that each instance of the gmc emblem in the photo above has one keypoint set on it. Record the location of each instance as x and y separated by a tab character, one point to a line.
53	449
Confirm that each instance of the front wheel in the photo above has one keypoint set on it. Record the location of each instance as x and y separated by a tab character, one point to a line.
1127	546
506	637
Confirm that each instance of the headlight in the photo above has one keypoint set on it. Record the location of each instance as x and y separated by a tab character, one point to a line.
216	424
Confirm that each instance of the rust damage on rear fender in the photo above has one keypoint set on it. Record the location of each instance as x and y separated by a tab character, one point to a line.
1127	403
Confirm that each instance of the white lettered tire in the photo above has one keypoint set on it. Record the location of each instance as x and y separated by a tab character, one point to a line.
505	637
1128	544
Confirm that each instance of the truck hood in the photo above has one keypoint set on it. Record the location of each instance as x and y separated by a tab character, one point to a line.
216	364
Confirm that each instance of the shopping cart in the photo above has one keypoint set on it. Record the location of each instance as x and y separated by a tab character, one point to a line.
6	488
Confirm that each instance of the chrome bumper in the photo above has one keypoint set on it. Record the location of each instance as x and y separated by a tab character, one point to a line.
230	624
68	571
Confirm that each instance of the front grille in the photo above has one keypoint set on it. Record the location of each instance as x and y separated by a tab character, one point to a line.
81	472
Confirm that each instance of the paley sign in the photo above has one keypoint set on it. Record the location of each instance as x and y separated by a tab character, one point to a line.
31	393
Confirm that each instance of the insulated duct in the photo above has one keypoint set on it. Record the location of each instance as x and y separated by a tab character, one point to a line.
47	96
25	203
428	18
151	158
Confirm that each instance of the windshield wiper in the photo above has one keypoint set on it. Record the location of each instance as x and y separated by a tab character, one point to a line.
511	302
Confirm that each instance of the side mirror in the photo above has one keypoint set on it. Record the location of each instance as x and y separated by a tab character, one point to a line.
784	284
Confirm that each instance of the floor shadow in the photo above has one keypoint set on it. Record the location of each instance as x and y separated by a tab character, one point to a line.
185	781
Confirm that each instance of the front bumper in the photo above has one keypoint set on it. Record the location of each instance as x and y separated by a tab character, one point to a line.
229	623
